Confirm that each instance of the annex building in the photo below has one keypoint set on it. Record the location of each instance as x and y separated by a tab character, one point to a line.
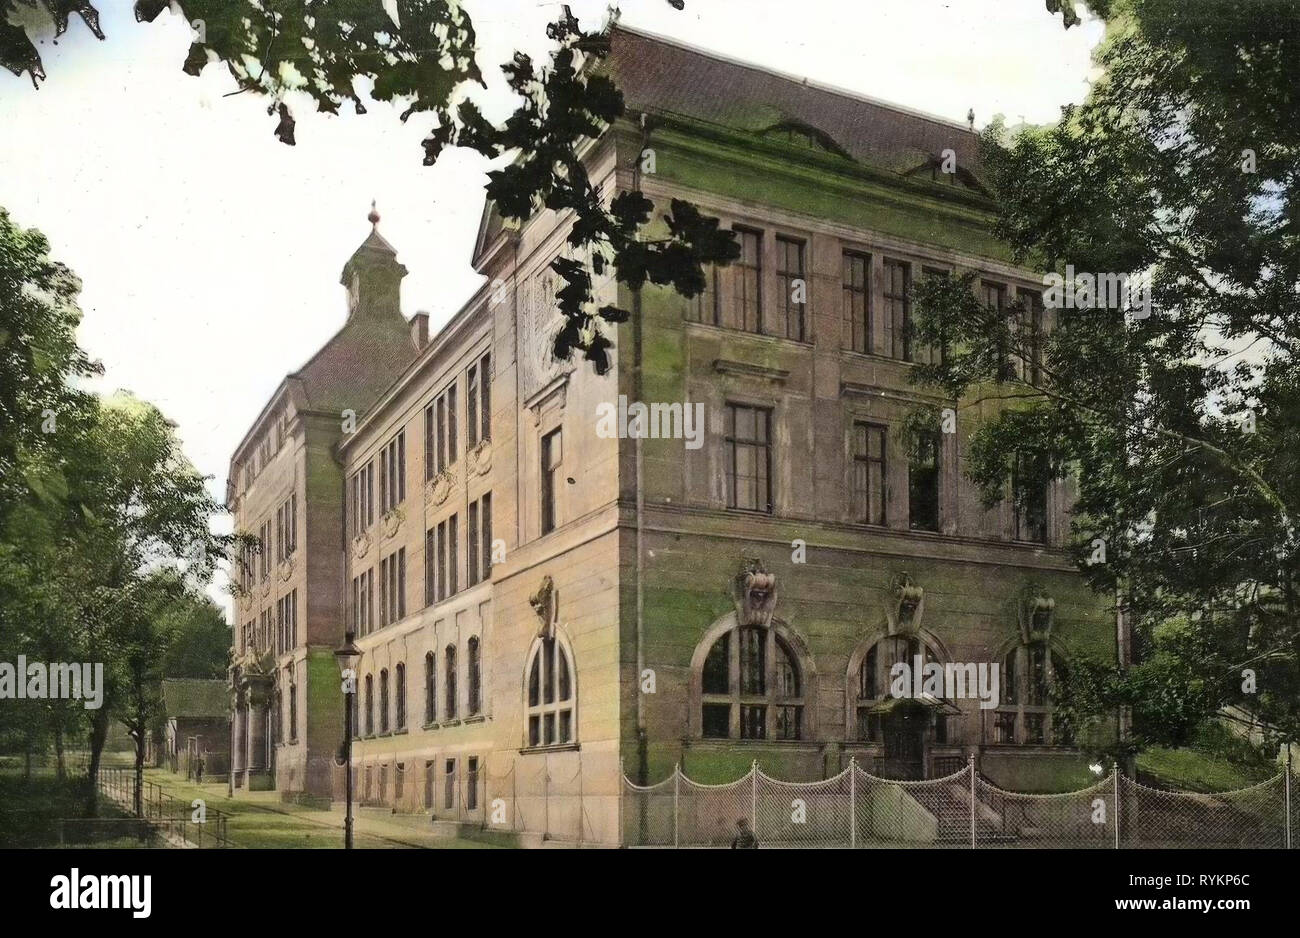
545	608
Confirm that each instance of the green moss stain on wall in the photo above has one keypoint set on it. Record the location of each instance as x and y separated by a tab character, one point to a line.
904	208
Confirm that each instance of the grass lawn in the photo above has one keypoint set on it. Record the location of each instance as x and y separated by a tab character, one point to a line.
30	811
1193	770
260	819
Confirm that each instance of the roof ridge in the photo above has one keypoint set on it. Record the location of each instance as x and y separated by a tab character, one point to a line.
801	80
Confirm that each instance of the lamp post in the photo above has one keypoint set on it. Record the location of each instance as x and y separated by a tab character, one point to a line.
348	657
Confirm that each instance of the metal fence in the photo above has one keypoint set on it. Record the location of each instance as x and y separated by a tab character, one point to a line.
169	818
857	809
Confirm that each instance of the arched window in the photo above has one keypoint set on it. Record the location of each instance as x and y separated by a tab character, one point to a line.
1030	674
430	688
383	700
449	659
751	687
370	705
399	674
875	678
473	677
551	697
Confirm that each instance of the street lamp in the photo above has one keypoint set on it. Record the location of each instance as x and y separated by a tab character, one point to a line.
348	657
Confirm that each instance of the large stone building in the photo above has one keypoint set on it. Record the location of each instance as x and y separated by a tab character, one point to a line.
545	606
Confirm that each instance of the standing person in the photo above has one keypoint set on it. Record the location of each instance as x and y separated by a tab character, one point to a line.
744	839
198	770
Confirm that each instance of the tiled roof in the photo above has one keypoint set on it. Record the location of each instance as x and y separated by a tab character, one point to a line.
661	76
358	364
194	698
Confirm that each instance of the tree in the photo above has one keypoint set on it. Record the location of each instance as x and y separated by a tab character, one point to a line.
145	508
41	412
421	52
199	645
1177	416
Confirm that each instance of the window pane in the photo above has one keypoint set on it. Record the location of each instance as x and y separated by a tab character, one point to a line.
753	721
717	721
717	667
753	661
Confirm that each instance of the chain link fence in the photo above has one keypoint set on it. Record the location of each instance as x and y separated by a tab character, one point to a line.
857	809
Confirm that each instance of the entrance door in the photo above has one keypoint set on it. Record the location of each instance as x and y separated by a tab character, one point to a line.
904	737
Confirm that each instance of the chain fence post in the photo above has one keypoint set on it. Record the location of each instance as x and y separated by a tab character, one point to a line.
853	801
622	798
677	788
753	798
1288	796
1114	772
971	766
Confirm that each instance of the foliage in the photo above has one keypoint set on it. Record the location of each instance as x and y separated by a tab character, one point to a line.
1180	429
421	52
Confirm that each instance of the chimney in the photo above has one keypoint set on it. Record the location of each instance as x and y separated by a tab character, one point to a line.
420	330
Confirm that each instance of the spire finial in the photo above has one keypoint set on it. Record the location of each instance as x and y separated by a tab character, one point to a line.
373	217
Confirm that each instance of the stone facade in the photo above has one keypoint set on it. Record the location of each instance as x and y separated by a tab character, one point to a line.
635	604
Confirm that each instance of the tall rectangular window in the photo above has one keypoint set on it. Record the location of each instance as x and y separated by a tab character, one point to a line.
264	539
479	539
471	405
452	437
747	290
440	570
453	560
440	422
923	481
392	587
392	461
440	440
363	498
856	285
794	287
471	546
552	458
994	296
898	308
927	354
430	443
485	529
440	561
869	441
748	458
485	396
430	566
704	306
1029	336
1029	486
430	687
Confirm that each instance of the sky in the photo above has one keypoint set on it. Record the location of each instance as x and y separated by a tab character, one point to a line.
210	253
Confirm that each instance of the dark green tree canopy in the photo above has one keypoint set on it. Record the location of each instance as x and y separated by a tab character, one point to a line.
1178	421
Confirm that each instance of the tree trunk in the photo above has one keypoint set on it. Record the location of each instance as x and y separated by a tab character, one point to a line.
138	733
98	735
61	767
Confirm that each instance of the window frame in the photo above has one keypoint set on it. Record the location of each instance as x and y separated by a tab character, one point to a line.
786	278
848	314
562	710
732	443
778	647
